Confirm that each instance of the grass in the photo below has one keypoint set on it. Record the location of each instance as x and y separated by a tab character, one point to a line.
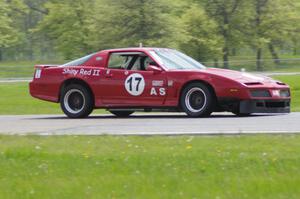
150	167
16	100
294	82
285	66
21	69
289	63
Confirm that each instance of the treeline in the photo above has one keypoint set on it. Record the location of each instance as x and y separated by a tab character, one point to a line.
205	29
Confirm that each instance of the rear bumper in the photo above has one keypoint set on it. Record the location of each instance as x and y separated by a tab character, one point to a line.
264	106
41	92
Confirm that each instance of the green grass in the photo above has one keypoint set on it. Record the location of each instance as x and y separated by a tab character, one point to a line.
289	63
294	82
21	69
150	167
15	98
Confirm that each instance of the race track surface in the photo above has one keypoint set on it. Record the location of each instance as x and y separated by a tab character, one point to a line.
149	124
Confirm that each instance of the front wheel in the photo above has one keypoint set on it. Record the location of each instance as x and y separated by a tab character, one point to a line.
122	113
76	101
197	100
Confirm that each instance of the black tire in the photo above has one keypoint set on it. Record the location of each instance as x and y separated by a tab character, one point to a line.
197	100
76	101
122	113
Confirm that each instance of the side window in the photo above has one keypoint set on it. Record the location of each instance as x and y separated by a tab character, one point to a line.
79	61
137	64
148	61
142	63
118	61
129	61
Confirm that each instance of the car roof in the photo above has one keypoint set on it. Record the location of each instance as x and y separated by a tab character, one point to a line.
131	49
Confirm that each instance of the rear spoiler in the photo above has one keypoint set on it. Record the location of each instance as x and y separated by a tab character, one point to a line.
38	70
45	66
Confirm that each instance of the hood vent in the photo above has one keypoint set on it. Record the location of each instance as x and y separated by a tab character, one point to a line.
253	83
280	83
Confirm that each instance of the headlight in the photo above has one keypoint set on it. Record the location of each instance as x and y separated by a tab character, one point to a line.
260	93
281	93
285	93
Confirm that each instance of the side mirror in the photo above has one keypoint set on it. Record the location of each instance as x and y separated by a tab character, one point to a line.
154	69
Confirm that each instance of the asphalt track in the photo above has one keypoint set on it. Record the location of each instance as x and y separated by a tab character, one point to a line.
149	124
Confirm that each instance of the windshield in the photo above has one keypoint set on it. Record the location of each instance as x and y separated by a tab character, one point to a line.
79	61
175	60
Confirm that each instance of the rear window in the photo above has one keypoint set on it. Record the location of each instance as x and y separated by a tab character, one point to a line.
79	61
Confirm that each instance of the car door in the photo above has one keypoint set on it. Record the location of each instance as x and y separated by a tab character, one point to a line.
126	84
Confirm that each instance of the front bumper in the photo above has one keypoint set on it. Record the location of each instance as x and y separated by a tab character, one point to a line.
264	106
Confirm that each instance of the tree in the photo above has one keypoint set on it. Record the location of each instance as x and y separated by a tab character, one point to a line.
8	33
272	24
67	25
296	33
123	23
228	16
33	44
201	35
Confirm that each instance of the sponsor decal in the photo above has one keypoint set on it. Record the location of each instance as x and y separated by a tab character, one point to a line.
83	72
68	71
135	84
170	83
158	91
96	72
157	83
38	73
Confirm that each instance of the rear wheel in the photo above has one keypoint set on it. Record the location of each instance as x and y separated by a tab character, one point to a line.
197	100
76	101
122	113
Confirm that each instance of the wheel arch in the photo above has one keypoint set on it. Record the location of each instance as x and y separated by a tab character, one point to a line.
76	81
209	86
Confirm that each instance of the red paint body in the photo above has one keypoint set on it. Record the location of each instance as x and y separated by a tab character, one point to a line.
107	85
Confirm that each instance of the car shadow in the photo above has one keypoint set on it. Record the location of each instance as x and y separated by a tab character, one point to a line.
153	116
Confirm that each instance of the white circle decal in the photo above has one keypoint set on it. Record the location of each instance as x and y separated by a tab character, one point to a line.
135	84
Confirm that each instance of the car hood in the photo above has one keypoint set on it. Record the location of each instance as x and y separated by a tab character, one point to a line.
242	77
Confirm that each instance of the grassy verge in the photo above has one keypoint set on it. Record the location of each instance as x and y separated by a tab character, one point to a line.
288	63
15	98
150	167
294	82
20	69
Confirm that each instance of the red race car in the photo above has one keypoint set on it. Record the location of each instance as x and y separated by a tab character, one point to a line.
131	79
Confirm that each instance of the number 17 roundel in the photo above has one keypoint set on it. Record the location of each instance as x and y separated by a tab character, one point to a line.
135	84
